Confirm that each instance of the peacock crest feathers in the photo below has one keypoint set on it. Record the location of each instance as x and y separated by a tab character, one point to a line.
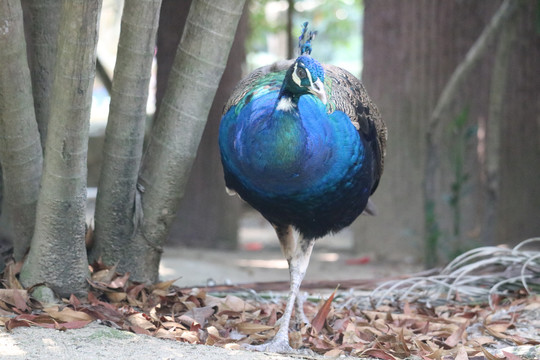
315	69
304	41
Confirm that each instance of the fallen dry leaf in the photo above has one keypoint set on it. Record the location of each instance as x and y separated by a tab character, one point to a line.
318	322
14	297
140	320
164	334
461	354
251	328
234	303
137	330
334	353
74	324
116	297
378	353
10	275
165	285
68	315
457	336
104	276
510	356
201	314
488	355
190	336
119	282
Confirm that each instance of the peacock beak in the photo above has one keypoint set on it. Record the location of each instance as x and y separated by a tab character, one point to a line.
317	89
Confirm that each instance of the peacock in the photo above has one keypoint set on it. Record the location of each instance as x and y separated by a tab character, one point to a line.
304	145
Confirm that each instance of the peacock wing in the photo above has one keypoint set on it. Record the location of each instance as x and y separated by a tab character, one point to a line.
346	93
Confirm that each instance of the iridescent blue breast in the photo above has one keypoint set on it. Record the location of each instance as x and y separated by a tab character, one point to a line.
302	166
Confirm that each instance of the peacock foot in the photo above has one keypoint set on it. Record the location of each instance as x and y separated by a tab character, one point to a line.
280	346
300	319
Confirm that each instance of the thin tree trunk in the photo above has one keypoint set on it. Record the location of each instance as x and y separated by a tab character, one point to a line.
115	203
20	149
5	230
58	255
518	208
205	196
44	21
492	131
290	36
176	133
172	20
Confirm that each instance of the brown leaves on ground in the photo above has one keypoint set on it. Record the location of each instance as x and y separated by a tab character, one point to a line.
339	326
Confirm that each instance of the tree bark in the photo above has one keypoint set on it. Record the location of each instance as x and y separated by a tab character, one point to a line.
172	20
116	198
197	70
411	50
205	197
44	16
427	41
518	206
441	114
58	242
20	149
491	146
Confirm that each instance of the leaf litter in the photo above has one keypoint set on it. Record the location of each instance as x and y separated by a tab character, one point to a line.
349	322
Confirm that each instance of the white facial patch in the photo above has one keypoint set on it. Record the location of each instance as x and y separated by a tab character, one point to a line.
295	77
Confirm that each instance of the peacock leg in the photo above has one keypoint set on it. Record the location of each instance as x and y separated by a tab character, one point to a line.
297	252
300	316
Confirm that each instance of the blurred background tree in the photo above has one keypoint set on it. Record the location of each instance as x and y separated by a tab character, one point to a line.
485	181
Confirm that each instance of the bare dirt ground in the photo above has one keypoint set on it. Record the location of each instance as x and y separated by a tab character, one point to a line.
100	342
195	267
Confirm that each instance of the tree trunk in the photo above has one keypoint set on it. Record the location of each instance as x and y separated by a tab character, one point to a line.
205	197
58	242
490	137
456	146
20	149
518	206
427	40
176	133
44	16
172	20
483	174
122	152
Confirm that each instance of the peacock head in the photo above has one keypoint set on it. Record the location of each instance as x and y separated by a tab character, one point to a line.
306	75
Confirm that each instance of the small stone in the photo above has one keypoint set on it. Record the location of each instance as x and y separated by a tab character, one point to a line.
45	295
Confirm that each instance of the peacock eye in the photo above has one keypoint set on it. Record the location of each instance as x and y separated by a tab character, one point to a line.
301	72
